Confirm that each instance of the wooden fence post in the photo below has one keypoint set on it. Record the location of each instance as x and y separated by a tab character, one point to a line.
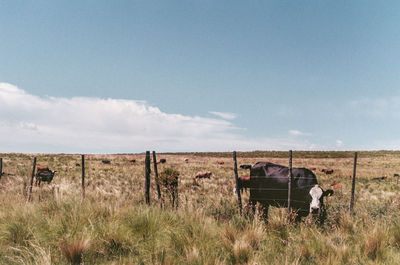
353	185
147	175
156	177
83	176
237	182
1	167
31	183
290	180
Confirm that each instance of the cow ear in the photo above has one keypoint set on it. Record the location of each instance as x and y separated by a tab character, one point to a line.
328	193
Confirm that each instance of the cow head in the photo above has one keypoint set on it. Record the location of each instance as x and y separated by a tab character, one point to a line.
317	198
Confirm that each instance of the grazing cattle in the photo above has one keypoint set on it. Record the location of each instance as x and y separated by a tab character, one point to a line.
243	183
268	185
327	171
186	160
220	162
43	173
106	161
335	185
163	160
245	166
203	175
380	178
77	165
132	161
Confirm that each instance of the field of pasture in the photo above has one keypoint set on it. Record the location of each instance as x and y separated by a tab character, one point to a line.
113	225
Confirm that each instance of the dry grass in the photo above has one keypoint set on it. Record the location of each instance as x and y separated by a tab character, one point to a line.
206	228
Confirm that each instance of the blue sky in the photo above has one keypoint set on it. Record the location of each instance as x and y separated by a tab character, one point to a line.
126	76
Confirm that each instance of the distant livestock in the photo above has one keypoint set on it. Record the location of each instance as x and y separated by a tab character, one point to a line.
335	185
132	161
186	160
380	178
312	168
220	162
43	173
163	160
203	175
106	161
268	185
244	183
327	171
245	166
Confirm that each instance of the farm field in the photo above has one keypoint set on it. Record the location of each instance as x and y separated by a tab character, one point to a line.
113	225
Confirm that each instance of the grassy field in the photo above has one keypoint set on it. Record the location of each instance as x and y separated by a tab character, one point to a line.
114	226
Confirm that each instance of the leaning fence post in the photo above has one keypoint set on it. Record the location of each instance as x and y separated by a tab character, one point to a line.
237	182
290	179
156	177
353	185
83	176
147	175
31	183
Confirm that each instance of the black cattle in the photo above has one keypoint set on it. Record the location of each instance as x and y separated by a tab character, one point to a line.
245	166
44	174
269	186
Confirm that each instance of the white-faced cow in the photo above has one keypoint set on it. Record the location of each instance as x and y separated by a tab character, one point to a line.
268	185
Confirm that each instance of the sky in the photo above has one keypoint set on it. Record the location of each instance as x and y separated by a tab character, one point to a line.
175	76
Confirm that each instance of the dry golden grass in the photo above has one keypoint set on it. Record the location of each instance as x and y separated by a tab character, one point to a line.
206	229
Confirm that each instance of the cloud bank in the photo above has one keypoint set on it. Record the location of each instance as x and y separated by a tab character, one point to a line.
30	123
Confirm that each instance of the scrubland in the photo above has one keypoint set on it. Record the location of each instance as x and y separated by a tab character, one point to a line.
113	225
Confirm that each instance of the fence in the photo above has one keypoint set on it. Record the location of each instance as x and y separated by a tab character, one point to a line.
148	172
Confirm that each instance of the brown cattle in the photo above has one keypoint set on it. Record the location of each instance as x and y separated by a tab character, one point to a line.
132	160
243	183
203	175
220	162
335	185
186	160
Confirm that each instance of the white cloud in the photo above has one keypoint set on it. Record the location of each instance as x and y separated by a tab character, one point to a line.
30	123
224	115
339	143
298	133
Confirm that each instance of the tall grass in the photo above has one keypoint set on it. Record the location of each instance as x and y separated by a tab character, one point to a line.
113	226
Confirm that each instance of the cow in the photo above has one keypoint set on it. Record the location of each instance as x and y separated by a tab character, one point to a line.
327	171
132	161
203	175
220	162
243	183
106	161
380	178
268	185
163	160
245	166
186	160
43	173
